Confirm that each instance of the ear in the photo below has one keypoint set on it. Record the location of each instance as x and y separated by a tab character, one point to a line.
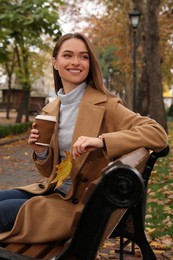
54	63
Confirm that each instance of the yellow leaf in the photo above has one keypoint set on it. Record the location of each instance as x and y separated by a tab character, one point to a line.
150	230
157	245
63	170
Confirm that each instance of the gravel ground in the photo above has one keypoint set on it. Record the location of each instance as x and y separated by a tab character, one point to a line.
16	166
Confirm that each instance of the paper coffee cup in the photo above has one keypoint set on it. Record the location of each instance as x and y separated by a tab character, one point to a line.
46	127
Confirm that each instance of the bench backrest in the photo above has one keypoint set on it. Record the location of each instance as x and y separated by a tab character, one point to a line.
108	198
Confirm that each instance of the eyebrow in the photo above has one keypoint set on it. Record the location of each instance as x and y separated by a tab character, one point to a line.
86	52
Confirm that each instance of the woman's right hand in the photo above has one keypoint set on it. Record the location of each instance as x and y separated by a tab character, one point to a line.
34	135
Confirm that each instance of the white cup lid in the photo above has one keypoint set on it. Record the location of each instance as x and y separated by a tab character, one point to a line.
46	117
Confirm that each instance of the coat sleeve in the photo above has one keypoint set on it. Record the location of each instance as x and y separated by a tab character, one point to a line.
131	131
45	167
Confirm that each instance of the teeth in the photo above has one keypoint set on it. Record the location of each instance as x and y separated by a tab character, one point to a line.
74	70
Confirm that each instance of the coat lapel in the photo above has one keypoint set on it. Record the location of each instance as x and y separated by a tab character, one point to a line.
89	121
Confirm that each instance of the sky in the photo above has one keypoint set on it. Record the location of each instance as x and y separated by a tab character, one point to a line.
86	9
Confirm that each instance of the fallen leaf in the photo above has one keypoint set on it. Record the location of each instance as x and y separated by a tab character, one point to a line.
6	157
63	170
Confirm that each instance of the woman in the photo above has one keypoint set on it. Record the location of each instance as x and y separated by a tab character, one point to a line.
91	123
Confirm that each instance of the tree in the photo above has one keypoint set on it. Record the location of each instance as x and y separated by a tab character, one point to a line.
156	107
150	94
7	58
166	41
9	65
26	25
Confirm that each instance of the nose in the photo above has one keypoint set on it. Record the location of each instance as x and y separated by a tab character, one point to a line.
75	61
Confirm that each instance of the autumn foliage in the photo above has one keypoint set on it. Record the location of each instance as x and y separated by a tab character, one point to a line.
63	170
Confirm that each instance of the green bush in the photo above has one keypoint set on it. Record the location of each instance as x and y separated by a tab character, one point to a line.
6	130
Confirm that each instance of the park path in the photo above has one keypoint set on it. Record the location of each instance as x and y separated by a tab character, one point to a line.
16	165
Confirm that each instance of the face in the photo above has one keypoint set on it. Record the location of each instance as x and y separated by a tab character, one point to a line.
72	63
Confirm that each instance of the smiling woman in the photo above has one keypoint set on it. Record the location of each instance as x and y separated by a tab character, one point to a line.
93	126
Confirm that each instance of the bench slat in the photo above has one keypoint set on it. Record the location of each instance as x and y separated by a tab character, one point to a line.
38	250
54	251
16	248
44	251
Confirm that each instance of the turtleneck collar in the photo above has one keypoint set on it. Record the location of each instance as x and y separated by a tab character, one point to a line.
73	96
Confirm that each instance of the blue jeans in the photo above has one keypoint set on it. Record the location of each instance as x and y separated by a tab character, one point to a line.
10	203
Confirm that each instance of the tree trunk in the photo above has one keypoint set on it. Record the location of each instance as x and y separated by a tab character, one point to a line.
143	93
153	61
25	82
9	70
24	107
143	83
8	98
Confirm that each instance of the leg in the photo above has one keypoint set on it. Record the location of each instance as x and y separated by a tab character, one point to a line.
14	194
10	203
8	212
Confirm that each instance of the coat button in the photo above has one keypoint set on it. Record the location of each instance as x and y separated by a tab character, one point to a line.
75	200
41	186
84	179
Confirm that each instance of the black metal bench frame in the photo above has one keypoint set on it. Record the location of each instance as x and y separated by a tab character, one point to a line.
135	233
121	187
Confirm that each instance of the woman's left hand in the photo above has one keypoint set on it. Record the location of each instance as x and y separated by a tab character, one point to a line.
86	144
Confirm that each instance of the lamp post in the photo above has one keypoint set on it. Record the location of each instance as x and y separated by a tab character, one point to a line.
134	18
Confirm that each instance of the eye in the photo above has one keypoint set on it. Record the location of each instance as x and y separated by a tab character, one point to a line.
67	55
84	57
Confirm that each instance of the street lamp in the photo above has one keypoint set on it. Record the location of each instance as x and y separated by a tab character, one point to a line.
134	18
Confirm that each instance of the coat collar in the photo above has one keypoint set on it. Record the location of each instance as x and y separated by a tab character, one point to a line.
91	96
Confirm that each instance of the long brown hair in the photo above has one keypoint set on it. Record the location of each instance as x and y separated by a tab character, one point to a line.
94	78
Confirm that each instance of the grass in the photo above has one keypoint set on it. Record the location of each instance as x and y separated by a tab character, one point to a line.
159	213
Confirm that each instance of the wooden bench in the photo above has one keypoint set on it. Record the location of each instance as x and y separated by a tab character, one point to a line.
112	202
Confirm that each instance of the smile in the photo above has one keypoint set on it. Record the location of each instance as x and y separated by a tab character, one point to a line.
74	70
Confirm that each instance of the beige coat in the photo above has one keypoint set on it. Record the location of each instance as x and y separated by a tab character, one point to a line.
50	217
